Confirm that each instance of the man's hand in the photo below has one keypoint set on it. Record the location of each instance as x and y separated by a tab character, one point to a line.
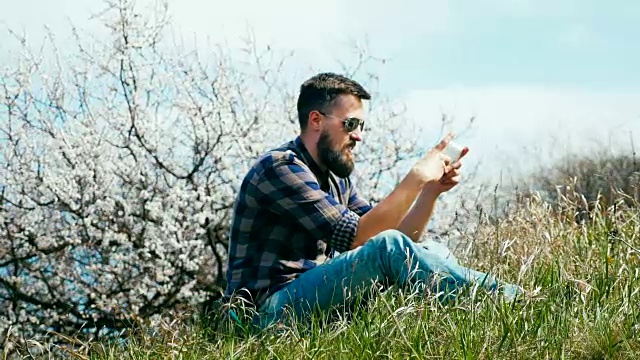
448	181
451	177
432	167
439	176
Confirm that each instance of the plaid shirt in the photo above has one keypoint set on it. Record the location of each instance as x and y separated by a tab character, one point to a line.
288	217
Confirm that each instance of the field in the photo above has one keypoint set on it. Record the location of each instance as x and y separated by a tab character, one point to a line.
583	302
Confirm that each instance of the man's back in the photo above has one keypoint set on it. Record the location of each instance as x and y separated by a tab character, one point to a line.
288	217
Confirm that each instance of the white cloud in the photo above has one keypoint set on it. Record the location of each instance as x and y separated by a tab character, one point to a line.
319	34
509	116
286	22
576	35
31	16
314	28
526	8
528	123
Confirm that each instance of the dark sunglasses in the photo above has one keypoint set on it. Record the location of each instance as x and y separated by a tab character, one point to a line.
350	123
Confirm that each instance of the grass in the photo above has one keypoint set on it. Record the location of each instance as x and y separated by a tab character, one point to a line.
584	303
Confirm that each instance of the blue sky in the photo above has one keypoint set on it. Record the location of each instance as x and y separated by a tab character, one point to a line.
537	74
585	44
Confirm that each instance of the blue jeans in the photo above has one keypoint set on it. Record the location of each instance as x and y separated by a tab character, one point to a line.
390	257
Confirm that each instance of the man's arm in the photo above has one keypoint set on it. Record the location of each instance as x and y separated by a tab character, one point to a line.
390	211
287	188
416	220
357	203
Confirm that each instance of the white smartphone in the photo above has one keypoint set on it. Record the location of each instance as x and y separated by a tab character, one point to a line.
455	151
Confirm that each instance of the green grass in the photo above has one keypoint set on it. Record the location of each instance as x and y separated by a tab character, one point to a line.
584	281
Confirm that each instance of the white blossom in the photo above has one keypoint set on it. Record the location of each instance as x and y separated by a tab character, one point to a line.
120	165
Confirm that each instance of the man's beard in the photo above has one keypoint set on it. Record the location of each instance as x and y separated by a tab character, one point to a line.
335	160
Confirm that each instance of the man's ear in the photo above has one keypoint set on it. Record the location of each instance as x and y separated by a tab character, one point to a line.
315	120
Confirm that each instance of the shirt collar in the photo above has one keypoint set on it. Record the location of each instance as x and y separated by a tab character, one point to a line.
322	176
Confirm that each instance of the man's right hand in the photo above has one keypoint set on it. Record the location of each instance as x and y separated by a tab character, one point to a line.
434	164
391	211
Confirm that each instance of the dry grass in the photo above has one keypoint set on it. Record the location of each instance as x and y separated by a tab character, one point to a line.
582	274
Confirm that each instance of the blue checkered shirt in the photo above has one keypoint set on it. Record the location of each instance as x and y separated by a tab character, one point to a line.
289	216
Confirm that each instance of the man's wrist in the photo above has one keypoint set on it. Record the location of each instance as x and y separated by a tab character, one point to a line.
416	178
431	191
422	182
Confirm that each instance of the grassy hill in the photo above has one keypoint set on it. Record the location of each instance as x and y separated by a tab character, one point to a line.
582	277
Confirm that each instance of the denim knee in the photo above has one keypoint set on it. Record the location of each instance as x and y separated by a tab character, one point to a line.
391	239
395	241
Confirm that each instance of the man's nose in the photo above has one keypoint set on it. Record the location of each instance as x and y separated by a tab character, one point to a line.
356	135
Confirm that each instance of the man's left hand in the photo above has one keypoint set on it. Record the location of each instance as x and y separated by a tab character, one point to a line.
449	180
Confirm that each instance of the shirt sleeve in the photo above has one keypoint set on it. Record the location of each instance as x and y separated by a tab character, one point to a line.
357	203
290	189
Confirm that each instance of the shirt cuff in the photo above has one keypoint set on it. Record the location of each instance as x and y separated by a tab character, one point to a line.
344	232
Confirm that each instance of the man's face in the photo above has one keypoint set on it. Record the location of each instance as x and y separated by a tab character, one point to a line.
335	145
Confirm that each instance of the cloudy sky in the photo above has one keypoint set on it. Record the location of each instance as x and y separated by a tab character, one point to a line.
536	74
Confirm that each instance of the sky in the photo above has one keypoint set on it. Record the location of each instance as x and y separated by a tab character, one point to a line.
540	77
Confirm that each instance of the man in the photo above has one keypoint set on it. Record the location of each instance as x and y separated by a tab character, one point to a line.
302	237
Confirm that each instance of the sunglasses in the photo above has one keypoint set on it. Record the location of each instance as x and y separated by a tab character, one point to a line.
350	123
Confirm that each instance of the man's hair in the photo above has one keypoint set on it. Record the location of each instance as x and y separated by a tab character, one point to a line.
321	91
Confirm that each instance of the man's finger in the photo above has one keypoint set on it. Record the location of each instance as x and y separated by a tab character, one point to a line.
456	165
451	180
447	161
445	141
451	174
464	152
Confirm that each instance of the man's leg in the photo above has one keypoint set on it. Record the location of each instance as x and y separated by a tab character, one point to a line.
390	257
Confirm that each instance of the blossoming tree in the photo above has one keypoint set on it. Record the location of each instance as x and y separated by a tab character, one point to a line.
120	161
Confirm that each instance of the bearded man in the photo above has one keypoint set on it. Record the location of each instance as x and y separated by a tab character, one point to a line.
303	238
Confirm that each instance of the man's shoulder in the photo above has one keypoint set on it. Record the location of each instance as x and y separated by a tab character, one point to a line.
282	155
